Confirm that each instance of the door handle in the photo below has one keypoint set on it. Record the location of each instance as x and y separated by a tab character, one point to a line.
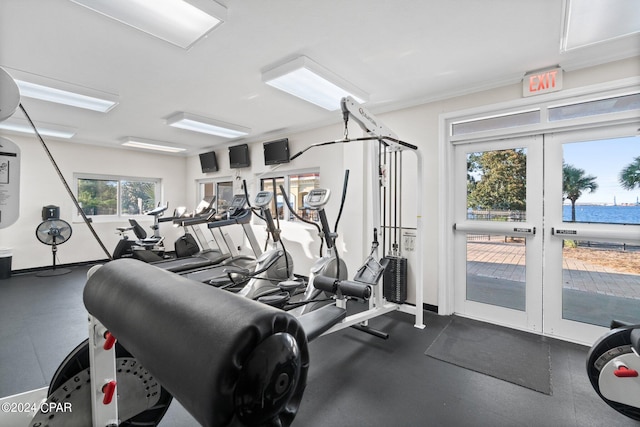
563	232
485	227
525	230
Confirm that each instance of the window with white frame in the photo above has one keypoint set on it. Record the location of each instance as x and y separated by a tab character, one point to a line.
107	196
297	185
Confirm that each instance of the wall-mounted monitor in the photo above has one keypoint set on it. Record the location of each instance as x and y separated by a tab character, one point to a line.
208	162
239	156
276	152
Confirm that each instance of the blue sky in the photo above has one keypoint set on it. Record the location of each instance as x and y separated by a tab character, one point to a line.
605	159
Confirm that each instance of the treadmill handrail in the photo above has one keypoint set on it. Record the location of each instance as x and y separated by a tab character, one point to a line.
243	218
194	220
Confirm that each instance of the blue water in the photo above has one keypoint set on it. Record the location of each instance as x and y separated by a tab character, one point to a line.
603	214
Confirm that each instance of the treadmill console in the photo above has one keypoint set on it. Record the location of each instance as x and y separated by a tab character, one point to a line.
237	204
206	205
317	198
263	198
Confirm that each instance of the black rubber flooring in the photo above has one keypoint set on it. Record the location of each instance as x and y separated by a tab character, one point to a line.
355	379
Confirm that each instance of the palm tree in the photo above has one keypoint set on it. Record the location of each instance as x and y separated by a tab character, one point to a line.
574	183
630	176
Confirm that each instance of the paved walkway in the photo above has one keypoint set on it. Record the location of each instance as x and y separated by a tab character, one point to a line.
507	261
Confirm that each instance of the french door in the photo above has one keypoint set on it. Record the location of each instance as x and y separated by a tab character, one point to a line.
547	238
592	246
498	224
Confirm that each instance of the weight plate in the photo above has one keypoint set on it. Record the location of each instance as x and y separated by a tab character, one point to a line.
141	400
613	343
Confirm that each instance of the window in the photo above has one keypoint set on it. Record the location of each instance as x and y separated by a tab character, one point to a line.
594	108
298	186
496	122
103	196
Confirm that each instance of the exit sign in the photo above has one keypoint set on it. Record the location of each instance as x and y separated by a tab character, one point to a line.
544	81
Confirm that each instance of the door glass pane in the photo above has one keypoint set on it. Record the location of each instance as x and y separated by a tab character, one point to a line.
601	181
207	190
224	195
497	185
299	187
267	184
601	282
496	270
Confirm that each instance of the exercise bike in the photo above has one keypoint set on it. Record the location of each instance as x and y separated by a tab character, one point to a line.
133	248
613	367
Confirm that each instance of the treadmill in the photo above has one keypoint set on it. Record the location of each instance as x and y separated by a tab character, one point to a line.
236	215
206	257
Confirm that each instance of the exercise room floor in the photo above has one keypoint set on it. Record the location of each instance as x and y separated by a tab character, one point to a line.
355	379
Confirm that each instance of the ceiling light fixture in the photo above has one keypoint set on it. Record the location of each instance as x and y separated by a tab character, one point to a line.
151	145
180	22
44	129
310	81
59	96
588	22
206	125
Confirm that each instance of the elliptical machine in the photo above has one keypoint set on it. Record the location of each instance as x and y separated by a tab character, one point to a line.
329	265
272	267
613	366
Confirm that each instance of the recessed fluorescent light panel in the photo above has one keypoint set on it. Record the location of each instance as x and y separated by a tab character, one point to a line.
206	125
180	22
151	145
45	93
310	81
51	90
587	22
44	129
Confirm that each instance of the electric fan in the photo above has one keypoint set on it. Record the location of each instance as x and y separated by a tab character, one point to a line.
53	232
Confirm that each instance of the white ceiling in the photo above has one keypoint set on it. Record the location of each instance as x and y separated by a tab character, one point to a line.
401	52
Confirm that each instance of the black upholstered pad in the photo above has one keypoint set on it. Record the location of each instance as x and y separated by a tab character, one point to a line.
193	338
319	321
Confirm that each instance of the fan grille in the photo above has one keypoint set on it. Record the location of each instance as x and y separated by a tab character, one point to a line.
53	231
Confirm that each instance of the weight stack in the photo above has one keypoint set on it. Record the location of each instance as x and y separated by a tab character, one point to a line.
394	281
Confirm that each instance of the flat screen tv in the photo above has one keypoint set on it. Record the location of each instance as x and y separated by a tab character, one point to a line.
208	162
239	156
276	152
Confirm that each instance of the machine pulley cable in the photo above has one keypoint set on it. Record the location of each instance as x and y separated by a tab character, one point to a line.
364	138
345	185
66	186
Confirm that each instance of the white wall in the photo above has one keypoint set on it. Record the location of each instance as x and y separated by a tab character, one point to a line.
40	186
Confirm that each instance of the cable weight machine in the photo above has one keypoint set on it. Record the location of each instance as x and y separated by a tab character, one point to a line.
386	202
